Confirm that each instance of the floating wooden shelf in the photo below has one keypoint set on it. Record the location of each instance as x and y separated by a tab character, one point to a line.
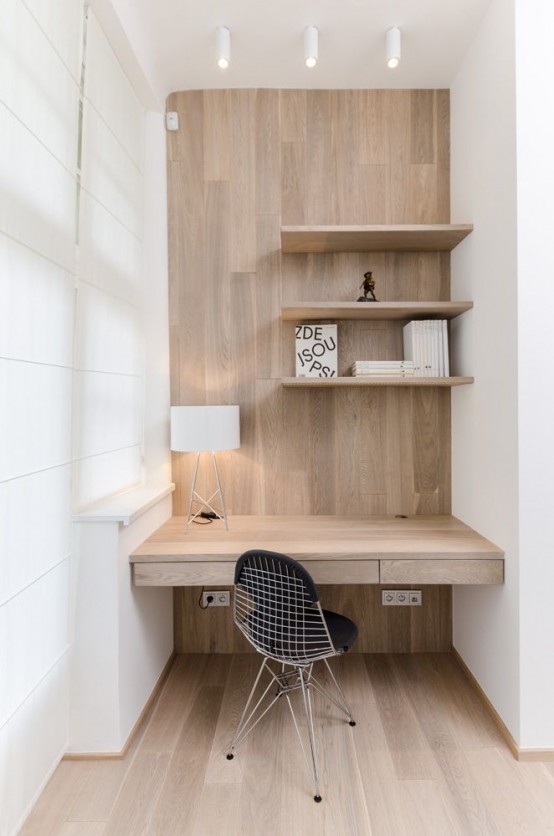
330	382
373	310
401	237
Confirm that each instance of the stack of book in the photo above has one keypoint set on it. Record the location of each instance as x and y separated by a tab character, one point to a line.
426	345
387	368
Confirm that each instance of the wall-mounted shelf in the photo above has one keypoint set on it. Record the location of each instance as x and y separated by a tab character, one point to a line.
331	382
373	310
381	238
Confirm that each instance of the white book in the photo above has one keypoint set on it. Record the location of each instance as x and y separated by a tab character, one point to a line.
445	348
383	373
437	347
427	346
383	364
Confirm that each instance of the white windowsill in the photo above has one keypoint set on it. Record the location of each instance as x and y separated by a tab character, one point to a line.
125	507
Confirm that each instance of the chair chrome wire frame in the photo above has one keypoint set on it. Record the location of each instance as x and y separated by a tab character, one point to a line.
296	673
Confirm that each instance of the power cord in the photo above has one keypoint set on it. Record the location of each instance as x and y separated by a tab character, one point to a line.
209	600
205	518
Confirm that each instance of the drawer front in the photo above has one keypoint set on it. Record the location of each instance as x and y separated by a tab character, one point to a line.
442	571
183	574
343	571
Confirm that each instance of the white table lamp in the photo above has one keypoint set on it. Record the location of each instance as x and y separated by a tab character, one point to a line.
200	429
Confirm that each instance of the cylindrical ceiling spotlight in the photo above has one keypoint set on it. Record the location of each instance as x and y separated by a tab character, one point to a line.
393	47
223	47
310	46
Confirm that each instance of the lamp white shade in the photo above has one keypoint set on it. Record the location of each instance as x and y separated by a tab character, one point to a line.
393	47
199	428
223	46
311	50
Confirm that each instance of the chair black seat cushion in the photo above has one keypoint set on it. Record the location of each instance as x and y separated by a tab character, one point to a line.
343	631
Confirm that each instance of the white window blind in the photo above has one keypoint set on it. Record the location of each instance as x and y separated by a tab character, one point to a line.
39	107
108	351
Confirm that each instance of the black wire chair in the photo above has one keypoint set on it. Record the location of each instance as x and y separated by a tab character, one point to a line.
276	606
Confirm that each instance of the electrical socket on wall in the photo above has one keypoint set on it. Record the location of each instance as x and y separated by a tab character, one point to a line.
401	597
216	598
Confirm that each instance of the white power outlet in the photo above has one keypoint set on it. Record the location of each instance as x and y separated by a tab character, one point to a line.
401	597
216	598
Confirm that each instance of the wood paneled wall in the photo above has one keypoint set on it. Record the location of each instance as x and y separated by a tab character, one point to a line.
242	163
427	628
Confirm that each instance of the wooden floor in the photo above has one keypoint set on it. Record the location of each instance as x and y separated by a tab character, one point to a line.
424	758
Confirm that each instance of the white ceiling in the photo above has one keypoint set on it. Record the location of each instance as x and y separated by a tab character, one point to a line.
267	50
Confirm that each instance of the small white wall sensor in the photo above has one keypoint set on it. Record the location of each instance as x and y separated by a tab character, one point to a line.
172	121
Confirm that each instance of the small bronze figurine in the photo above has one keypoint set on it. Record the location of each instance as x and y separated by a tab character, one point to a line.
368	286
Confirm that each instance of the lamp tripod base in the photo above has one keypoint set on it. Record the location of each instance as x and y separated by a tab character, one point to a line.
206	505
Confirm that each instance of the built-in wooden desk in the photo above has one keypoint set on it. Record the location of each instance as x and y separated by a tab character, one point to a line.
335	550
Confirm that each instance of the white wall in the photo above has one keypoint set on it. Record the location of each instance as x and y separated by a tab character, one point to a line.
535	161
485	415
123	634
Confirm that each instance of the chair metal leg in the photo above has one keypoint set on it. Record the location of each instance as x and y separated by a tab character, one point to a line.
341	701
309	717
298	678
243	728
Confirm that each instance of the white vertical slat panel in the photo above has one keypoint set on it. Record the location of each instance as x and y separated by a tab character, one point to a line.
35	527
109	174
109	333
108	424
109	91
62	23
37	301
31	744
110	256
37	635
37	194
36	87
112	418
35	418
104	474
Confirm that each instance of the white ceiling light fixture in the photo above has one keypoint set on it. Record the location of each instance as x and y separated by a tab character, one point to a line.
393	47
311	53
223	47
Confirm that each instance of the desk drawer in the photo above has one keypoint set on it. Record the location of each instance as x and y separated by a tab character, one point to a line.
184	574
343	571
442	571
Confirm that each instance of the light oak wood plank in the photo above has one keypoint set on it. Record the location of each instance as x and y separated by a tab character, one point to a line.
80	828
294	182
397	118
371	126
268	158
178	801
267	335
242	217
422	126
217	135
443	155
411	753
136	802
293	115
